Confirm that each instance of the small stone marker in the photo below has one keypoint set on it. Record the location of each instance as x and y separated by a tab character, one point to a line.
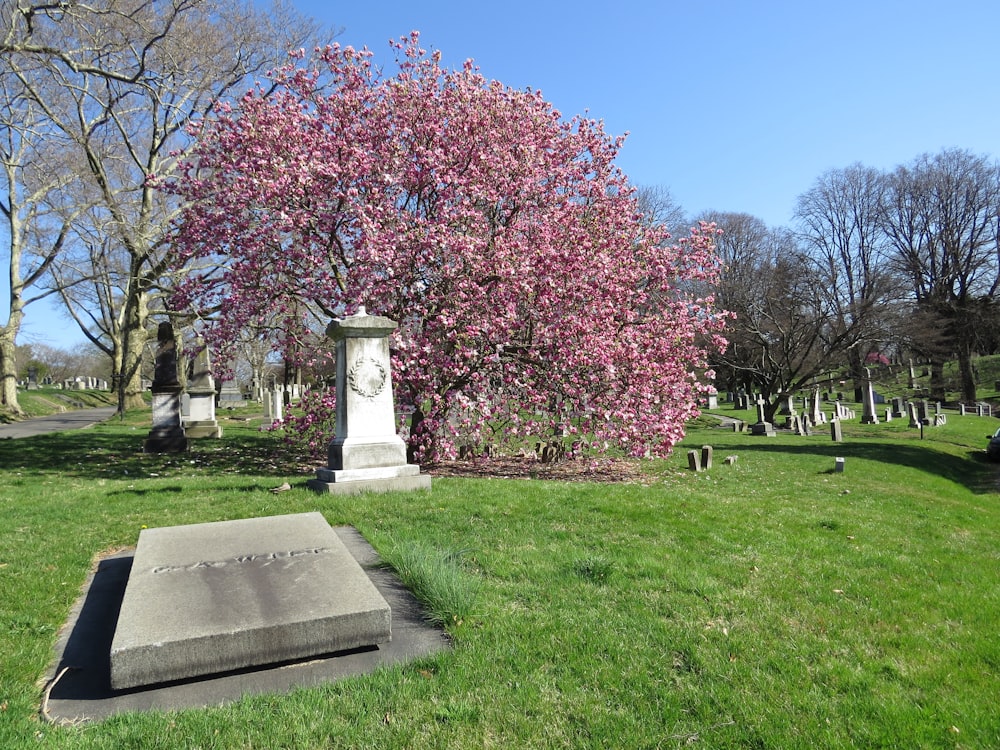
694	460
167	435
278	403
838	465
730	460
836	431
365	454
706	457
220	596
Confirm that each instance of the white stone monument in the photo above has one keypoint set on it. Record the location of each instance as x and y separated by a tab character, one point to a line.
868	413
366	454
200	421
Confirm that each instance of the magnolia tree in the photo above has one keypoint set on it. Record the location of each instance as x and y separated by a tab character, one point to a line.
531	293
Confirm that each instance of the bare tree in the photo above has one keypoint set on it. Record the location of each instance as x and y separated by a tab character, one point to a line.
122	80
35	177
942	217
838	222
660	207
786	332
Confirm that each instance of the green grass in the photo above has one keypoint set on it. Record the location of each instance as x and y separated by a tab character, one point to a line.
48	400
768	604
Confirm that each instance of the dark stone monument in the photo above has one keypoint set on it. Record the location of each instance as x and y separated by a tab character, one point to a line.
167	435
706	457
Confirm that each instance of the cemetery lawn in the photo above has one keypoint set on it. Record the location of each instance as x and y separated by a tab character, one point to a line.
767	604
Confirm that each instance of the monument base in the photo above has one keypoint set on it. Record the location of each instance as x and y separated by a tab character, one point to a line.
216	597
203	429
168	440
384	479
762	428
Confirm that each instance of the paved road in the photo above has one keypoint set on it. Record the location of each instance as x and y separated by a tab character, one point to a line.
68	420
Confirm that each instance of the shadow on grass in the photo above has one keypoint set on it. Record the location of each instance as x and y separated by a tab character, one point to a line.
97	454
971	469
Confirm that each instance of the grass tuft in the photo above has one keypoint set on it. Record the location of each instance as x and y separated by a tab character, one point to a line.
437	578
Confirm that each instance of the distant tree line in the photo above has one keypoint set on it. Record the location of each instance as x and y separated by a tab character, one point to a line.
900	263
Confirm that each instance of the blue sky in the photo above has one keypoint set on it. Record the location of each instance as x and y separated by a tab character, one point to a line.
734	106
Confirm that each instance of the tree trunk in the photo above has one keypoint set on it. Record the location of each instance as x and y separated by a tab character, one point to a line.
967	373
937	381
134	337
8	370
856	370
416	427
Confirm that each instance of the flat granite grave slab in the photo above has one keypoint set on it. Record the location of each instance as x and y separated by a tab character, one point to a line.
77	682
216	597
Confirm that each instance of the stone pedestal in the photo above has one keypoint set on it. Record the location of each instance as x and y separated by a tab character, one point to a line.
366	454
201	422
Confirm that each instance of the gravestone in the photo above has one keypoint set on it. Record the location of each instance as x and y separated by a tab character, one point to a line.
868	415
201	422
788	406
229	396
762	426
898	407
167	435
914	414
706	457
366	454
925	412
694	460
836	432
228	595
32	379
817	413
277	405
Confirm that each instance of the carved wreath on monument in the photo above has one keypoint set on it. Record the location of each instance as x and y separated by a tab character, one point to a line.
367	377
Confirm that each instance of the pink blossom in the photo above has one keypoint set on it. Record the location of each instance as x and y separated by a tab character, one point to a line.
503	238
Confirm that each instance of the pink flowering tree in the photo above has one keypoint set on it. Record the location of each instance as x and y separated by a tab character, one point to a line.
531	294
